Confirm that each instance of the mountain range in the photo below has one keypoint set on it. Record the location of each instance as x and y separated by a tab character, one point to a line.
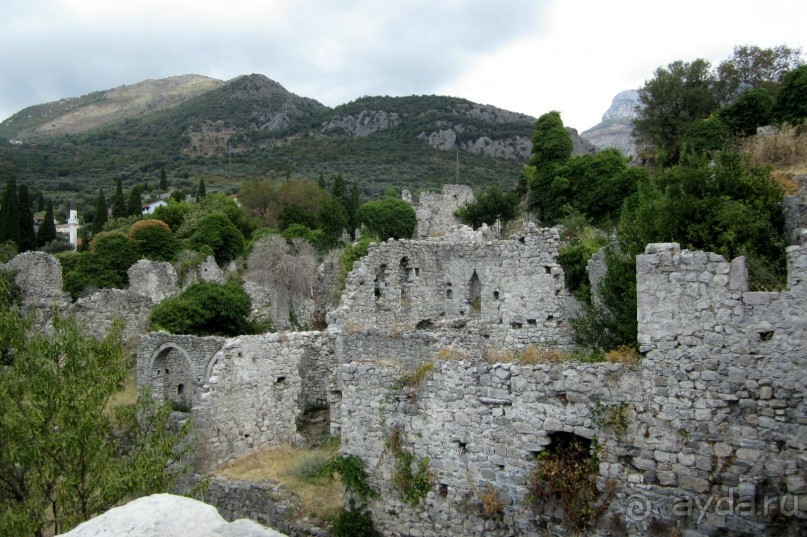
251	127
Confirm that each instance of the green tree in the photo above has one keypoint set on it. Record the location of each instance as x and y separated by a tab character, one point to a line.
154	239
488	206
339	190
172	214
321	180
27	233
551	147
706	135
671	101
353	205
721	204
751	67
388	218
752	109
163	180
64	457
10	214
101	213
205	308
217	232
791	101
216	203
47	231
551	142
118	202
134	207
201	192
332	218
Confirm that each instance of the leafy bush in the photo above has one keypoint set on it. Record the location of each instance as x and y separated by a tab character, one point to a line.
488	206
172	214
106	265
314	236
705	136
354	522
791	101
215	204
154	240
752	109
205	309
217	232
388	218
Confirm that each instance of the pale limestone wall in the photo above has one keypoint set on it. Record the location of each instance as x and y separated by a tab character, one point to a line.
435	212
39	277
401	286
257	388
715	412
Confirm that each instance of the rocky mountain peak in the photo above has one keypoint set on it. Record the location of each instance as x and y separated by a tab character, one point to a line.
623	107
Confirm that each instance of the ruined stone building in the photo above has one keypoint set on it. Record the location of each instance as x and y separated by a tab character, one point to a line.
715	409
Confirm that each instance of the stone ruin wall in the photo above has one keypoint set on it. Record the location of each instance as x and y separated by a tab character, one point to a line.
511	291
435	212
246	393
715	410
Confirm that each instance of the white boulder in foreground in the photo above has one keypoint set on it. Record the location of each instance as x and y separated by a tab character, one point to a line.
166	515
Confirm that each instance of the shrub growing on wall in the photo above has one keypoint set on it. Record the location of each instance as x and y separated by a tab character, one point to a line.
205	309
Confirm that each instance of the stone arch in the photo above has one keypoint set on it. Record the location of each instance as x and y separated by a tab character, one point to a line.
171	374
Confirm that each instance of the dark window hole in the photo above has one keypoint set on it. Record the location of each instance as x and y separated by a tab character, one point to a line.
180	389
424	324
442	490
515	325
766	336
532	322
280	380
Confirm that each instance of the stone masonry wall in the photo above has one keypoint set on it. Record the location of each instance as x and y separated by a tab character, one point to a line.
255	393
513	284
265	502
714	416
435	212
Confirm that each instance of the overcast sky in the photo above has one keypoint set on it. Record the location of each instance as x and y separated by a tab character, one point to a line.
528	56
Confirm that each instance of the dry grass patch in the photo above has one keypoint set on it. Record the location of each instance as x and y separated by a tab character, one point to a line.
125	397
297	470
623	354
784	150
528	355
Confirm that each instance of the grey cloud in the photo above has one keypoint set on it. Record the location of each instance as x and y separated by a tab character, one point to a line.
386	48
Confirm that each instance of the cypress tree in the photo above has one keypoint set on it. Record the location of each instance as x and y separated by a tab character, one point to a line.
163	180
101	213
321	181
27	233
338	190
353	206
118	203
134	207
47	231
201	193
10	214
